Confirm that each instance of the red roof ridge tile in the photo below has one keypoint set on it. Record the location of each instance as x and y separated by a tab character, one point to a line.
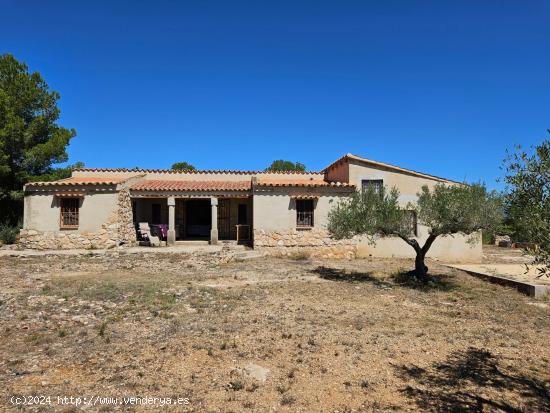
203	171
108	180
301	183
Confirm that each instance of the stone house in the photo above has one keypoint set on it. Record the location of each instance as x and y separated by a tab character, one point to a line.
277	212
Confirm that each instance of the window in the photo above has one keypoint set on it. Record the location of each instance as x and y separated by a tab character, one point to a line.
377	184
69	212
410	223
304	212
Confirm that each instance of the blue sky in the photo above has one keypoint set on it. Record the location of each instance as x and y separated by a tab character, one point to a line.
441	87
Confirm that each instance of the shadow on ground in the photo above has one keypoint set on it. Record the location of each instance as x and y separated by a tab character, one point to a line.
402	279
334	274
473	381
435	282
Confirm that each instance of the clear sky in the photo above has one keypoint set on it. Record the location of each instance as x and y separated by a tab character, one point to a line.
437	86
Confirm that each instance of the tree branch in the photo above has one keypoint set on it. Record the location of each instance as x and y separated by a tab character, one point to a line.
412	242
428	243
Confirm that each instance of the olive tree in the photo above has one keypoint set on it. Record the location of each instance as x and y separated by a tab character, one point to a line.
445	210
528	201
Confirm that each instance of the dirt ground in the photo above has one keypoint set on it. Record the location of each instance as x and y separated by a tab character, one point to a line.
267	335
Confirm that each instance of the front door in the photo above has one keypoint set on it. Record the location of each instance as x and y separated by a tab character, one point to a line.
224	212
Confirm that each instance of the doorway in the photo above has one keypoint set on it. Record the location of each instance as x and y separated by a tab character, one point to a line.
198	217
224	219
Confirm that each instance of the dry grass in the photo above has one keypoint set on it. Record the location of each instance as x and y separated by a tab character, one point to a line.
336	336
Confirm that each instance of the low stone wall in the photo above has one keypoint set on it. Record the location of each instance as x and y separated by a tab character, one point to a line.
315	242
117	231
107	237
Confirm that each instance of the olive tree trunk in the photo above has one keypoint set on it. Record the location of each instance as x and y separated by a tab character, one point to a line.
420	268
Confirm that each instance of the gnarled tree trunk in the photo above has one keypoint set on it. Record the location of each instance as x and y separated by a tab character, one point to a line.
420	268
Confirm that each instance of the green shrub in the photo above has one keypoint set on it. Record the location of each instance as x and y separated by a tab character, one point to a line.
8	233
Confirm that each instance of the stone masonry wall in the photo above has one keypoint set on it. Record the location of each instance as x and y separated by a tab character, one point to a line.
125	219
117	231
314	242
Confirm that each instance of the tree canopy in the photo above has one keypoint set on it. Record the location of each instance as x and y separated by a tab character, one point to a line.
183	166
445	210
54	174
281	165
30	138
528	200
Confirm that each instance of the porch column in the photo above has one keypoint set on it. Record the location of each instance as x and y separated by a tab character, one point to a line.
214	230
171	238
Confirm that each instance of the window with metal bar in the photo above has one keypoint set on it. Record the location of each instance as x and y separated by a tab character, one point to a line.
69	212
377	184
304	212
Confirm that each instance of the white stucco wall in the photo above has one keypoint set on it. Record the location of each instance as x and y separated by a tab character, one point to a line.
454	248
275	210
42	211
408	185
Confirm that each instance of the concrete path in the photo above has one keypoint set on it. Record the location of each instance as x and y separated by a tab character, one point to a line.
512	275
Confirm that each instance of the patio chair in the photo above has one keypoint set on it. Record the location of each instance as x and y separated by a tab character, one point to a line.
144	234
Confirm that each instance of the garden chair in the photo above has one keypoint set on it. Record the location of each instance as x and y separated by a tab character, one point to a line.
144	234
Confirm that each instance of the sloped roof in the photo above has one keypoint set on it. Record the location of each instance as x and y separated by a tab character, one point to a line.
80	181
300	183
198	172
388	166
172	185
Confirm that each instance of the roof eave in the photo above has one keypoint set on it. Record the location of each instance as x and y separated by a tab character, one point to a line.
389	166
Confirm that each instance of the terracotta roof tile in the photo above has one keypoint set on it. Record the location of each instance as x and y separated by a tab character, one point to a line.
301	183
170	185
197	172
81	181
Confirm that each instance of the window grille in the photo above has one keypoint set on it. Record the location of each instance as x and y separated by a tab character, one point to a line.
69	212
304	212
377	184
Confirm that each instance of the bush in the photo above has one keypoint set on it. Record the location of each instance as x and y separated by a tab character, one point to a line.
8	233
488	236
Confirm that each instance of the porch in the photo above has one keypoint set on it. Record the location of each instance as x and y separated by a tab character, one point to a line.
197	219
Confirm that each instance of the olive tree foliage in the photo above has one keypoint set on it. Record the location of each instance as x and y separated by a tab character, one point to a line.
528	201
446	210
55	174
31	140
